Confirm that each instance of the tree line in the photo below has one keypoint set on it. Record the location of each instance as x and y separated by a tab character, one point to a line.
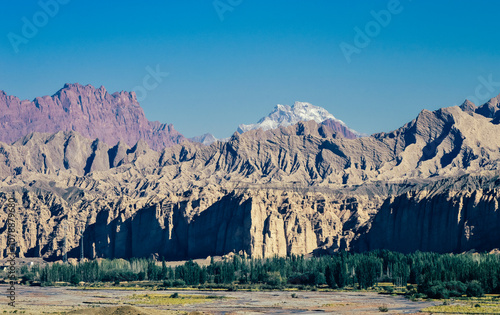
435	275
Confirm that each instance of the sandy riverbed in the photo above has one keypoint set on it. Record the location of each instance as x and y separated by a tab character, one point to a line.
38	300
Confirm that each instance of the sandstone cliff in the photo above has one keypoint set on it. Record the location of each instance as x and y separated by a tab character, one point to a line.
461	217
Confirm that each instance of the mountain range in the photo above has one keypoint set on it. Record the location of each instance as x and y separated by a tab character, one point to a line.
301	188
94	113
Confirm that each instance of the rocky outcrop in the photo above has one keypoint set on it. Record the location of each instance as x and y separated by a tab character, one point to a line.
94	113
340	128
453	220
67	153
490	109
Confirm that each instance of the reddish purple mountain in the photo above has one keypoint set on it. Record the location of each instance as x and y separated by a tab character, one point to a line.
340	128
92	112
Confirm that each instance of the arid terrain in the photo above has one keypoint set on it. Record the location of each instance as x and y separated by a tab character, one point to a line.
328	157
35	300
431	185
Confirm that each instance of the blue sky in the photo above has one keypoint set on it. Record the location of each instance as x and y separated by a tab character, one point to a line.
235	69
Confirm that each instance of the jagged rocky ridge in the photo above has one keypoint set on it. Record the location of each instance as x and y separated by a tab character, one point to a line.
431	185
94	113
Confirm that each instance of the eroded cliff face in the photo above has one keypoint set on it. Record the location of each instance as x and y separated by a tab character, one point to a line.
428	216
449	221
198	223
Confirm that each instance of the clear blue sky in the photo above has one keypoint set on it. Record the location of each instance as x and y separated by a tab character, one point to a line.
231	71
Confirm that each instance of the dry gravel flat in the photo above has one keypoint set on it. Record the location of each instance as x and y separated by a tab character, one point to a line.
37	300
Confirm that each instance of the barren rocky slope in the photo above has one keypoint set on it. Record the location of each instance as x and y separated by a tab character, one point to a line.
430	185
92	112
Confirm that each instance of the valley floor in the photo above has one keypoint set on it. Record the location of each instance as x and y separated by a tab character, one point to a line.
61	300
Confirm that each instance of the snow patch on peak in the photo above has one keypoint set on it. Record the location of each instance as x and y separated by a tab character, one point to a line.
285	115
206	139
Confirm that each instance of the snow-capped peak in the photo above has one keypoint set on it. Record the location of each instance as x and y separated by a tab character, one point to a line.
284	115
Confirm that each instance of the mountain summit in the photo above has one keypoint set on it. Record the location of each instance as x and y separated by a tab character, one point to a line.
284	116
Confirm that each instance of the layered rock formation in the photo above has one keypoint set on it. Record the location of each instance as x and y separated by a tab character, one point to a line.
94	113
430	185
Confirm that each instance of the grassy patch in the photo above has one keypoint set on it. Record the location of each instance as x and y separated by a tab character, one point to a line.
115	288
469	308
174	299
385	284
